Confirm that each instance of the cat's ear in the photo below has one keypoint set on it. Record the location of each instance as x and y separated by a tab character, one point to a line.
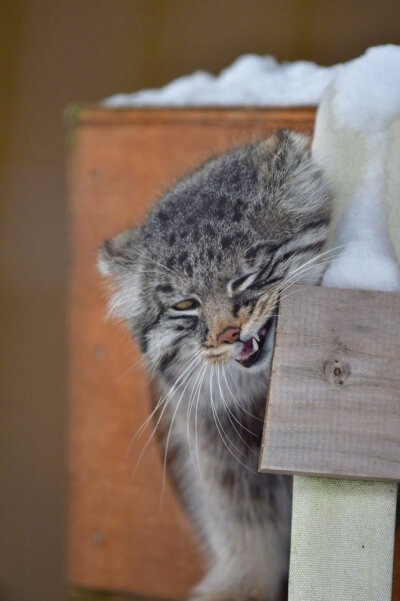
295	183
284	151
120	253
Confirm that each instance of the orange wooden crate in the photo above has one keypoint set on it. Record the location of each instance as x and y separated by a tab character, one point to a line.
121	161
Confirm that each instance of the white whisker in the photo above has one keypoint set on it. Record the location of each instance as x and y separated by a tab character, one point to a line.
197	384
165	401
170	430
235	400
221	432
231	415
161	401
139	362
196	419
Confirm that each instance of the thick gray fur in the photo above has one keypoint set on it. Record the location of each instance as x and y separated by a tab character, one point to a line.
230	237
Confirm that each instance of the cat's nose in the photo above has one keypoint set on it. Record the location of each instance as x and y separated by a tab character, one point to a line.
229	335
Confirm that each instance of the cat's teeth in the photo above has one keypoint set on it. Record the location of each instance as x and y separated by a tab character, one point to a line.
255	345
257	337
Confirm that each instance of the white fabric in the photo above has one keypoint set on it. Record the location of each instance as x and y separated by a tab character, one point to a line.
342	540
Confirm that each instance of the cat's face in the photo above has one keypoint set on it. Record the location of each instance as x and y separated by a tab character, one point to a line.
200	281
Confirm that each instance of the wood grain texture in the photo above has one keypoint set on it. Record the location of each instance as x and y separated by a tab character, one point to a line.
120	163
301	118
93	595
334	402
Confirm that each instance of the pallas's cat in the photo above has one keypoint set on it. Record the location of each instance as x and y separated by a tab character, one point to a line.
198	285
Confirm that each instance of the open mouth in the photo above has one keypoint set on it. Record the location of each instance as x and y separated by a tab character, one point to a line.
252	348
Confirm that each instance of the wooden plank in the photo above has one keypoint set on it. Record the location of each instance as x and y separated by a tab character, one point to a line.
118	539
294	117
334	402
75	594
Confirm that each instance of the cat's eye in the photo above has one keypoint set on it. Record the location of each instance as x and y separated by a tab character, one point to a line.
186	305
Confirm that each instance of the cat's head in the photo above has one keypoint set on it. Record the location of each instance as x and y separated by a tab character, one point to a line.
200	280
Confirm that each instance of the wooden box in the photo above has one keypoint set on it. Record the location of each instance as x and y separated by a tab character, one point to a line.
120	162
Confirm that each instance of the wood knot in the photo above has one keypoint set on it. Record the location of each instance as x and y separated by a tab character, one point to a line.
337	371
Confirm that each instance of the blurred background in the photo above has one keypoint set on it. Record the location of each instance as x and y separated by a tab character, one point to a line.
52	53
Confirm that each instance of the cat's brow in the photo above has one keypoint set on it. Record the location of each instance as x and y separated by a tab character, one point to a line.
314	247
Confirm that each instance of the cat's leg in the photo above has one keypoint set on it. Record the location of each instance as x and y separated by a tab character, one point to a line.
251	564
249	542
241	516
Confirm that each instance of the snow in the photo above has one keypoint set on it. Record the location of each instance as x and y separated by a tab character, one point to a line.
367	90
352	142
250	81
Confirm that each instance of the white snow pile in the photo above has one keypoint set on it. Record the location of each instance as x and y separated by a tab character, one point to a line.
250	81
353	141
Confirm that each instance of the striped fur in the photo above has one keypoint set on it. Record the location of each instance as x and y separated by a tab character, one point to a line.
227	241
